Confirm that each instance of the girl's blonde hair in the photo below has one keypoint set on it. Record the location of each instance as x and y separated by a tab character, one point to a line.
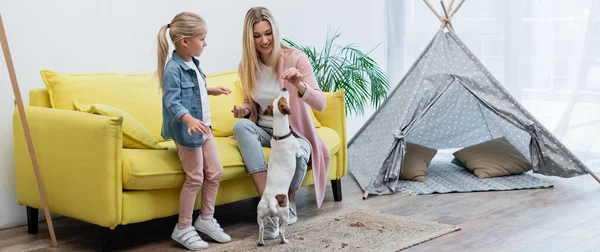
249	63
185	24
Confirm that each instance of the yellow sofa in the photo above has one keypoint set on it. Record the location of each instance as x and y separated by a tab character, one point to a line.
89	175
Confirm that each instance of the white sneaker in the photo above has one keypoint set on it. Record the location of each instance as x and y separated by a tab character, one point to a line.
188	238
271	230
293	214
212	229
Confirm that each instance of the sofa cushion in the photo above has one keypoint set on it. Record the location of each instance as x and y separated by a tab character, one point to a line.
135	135
161	169
136	94
331	139
221	105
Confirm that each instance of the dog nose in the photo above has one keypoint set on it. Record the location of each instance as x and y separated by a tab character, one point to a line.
284	89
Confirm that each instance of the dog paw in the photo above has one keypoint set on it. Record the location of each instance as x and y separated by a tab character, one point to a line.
260	243
284	241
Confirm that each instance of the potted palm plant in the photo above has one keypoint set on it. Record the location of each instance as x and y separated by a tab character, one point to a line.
347	67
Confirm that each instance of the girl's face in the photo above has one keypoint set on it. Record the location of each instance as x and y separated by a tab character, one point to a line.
263	37
195	45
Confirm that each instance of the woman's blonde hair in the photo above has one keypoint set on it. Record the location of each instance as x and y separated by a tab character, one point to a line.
249	63
184	25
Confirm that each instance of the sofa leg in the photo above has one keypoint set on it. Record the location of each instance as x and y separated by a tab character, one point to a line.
336	186
108	236
32	220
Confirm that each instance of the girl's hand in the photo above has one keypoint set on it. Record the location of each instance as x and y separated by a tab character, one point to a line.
292	75
220	91
194	125
240	112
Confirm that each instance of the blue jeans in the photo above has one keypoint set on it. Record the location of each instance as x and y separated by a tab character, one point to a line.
251	138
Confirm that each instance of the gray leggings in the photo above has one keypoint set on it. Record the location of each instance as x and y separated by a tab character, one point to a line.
251	138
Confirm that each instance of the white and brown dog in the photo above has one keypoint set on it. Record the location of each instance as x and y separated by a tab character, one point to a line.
282	165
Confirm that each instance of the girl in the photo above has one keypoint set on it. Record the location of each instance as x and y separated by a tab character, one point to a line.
186	120
267	66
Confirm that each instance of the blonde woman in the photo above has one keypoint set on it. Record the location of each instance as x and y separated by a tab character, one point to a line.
267	66
186	120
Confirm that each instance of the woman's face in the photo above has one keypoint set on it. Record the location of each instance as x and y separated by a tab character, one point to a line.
263	38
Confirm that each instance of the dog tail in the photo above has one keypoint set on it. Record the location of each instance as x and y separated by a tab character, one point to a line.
280	199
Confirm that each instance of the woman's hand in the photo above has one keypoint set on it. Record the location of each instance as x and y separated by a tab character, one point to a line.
294	76
194	125
240	112
219	91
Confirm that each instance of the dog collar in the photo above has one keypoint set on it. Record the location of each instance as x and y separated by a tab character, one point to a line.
282	137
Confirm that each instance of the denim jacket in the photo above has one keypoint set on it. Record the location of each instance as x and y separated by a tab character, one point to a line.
181	95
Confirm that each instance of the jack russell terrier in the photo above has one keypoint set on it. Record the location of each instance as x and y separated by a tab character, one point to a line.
282	165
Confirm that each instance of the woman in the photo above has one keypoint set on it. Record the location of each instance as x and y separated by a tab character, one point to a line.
267	66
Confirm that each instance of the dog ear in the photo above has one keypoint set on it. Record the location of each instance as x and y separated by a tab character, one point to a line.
284	107
269	111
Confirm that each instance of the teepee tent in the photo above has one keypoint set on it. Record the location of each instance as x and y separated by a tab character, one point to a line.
448	99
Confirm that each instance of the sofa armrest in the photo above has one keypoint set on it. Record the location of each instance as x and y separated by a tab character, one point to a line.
79	157
39	97
334	117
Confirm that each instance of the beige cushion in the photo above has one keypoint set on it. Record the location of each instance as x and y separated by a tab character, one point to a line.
493	158
416	162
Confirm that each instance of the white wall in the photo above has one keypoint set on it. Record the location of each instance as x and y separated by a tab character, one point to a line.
120	36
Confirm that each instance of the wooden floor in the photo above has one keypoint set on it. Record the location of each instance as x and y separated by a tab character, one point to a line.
563	218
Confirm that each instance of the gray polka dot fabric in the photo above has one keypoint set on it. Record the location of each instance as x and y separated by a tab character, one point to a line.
448	99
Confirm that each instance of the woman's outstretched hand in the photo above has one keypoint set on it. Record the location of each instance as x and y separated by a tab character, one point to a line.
240	112
294	76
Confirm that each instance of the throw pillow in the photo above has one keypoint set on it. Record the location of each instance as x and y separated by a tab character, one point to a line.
416	162
137	94
493	158
135	135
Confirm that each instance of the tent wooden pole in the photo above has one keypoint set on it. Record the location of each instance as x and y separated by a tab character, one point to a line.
444	8
447	20
595	176
450	6
444	23
457	7
19	103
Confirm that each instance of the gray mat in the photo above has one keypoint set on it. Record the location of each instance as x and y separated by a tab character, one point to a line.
444	177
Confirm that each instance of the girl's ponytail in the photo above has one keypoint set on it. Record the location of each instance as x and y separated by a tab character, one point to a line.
184	24
163	51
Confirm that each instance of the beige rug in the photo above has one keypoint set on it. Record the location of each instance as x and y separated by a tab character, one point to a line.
352	230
